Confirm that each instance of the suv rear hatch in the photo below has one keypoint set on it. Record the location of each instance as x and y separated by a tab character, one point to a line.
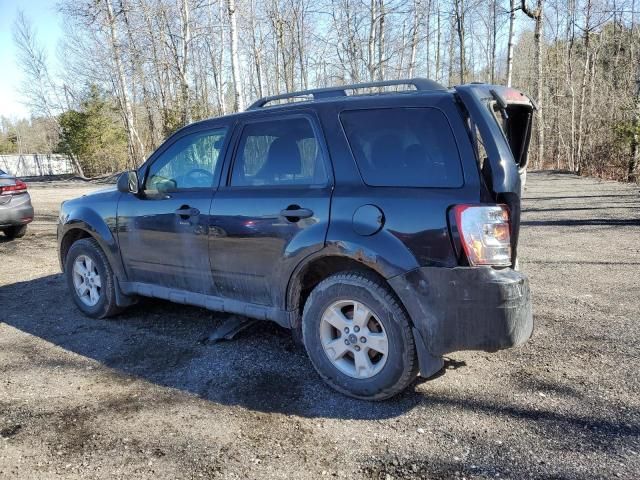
500	119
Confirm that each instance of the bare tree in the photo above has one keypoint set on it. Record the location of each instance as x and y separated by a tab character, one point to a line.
459	13
38	87
634	158
136	149
185	25
512	22
583	86
417	17
238	102
165	63
538	16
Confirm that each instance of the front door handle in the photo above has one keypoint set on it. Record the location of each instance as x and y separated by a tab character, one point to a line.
293	213
185	211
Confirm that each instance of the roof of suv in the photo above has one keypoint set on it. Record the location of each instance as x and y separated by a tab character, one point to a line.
340	93
344	91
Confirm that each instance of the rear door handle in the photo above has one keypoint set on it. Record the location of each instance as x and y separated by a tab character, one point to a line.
186	211
295	213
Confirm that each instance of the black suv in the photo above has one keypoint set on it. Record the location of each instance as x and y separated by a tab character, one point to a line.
377	221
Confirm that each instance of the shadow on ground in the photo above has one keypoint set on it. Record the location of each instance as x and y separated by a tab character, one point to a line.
262	369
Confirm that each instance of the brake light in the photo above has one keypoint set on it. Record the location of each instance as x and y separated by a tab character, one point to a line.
485	233
19	187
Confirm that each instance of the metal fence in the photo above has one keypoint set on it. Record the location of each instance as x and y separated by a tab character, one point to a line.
36	165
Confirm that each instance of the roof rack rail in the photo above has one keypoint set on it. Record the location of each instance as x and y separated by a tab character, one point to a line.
341	91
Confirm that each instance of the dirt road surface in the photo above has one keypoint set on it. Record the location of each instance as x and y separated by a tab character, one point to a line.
139	397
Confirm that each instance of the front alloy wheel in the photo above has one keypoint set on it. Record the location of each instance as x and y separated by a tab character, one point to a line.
86	280
90	279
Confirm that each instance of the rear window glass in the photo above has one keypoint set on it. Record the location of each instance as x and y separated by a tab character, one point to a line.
516	126
403	147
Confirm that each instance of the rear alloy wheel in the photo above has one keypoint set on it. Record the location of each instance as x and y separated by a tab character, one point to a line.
358	336
90	279
18	231
353	339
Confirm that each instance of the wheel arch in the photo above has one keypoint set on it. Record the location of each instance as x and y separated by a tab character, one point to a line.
71	236
316	268
86	223
320	266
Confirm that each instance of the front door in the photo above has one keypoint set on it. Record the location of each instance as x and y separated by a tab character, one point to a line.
273	210
163	230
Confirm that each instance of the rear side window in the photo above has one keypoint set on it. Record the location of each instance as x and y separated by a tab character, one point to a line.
403	147
278	152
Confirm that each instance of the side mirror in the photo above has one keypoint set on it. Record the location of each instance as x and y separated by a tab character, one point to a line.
128	182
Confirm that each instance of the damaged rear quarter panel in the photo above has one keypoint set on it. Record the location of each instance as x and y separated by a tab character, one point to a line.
467	308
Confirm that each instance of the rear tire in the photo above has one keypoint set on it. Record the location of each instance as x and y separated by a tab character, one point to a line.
358	337
18	231
90	279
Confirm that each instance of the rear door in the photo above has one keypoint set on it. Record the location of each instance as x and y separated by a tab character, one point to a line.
272	209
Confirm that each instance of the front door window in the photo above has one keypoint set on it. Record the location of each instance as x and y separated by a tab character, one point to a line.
187	164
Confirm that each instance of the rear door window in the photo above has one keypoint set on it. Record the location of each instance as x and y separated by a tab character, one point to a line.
403	147
278	152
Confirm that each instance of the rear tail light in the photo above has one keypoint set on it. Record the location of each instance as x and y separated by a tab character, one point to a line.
485	233
19	187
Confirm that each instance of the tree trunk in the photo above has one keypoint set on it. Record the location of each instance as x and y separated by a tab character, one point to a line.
257	51
428	42
235	62
414	39
381	39
494	40
634	157
459	14
215	51
583	88
372	40
512	21
133	140
634	160
538	16
438	33
186	41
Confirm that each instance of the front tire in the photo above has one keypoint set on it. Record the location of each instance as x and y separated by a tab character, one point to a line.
90	279
18	231
358	337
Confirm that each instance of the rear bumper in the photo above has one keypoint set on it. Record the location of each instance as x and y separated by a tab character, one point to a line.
467	308
18	211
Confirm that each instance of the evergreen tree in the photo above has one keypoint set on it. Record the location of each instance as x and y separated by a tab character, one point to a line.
94	134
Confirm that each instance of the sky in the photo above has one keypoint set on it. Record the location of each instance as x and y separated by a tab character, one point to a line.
46	22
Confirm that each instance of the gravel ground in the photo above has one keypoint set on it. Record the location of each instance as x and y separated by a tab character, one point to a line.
139	397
